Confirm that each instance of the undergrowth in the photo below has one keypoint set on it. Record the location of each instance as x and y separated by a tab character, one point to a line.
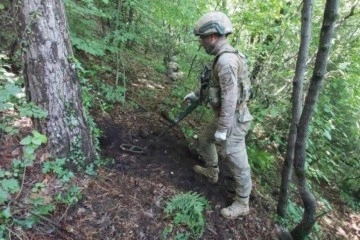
25	199
186	211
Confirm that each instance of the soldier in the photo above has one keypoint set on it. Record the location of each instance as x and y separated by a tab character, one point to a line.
227	92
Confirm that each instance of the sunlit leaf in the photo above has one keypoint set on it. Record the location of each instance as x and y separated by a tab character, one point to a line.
10	185
327	135
6	212
3	195
26	140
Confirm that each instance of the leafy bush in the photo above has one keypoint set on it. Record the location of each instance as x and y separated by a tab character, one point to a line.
261	160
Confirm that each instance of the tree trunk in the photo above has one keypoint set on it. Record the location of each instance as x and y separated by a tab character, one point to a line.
327	30
297	93
51	80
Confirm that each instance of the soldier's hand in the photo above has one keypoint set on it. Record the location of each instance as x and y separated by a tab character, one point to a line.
220	136
191	97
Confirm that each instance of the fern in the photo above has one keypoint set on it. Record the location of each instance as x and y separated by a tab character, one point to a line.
187	209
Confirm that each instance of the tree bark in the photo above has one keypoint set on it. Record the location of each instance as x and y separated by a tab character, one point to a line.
327	30
51	80
297	93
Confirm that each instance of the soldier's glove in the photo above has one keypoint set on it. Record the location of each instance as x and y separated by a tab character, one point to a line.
220	136
191	97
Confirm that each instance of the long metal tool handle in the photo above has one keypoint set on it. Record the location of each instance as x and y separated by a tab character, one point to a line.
187	111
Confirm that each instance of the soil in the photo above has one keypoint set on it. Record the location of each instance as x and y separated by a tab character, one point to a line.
126	199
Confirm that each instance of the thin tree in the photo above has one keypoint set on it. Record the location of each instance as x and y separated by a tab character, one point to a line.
327	30
286	173
51	81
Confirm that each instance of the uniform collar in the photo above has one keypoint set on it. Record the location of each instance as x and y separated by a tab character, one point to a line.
220	45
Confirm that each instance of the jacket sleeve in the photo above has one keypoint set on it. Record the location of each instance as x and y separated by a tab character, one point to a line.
227	69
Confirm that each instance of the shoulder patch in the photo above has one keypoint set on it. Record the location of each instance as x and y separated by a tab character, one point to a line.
226	77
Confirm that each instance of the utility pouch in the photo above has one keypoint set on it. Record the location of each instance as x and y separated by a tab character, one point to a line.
204	81
214	97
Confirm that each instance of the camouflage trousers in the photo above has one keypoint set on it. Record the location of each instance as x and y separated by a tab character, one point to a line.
235	149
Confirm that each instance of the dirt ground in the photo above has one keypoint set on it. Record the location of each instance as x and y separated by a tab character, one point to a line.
126	199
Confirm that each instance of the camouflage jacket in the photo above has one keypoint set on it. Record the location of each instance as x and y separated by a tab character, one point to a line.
229	85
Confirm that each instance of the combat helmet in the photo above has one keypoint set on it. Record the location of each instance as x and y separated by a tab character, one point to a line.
213	22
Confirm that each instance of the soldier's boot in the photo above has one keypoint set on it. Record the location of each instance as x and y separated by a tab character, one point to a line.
211	173
240	207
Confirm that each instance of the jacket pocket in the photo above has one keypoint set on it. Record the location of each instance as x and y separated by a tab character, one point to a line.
245	115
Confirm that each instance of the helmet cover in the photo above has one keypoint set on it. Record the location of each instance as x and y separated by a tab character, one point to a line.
213	22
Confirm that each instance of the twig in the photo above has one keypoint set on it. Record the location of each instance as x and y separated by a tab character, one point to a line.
45	219
271	183
351	13
350	178
138	104
67	208
322	214
55	224
12	147
10	231
192	62
22	184
244	234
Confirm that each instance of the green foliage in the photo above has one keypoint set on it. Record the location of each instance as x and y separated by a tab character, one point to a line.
7	92
40	208
335	128
35	208
187	210
332	145
14	107
111	94
84	28
92	98
30	144
31	110
89	46
12	101
102	31
58	167
9	185
10	94
352	202
294	216
260	159
70	196
97	93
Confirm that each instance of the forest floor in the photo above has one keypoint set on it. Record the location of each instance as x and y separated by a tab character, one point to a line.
126	199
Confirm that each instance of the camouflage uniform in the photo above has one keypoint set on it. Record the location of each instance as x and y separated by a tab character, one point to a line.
227	93
231	114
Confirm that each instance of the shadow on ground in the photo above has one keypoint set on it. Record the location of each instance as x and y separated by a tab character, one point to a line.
127	199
